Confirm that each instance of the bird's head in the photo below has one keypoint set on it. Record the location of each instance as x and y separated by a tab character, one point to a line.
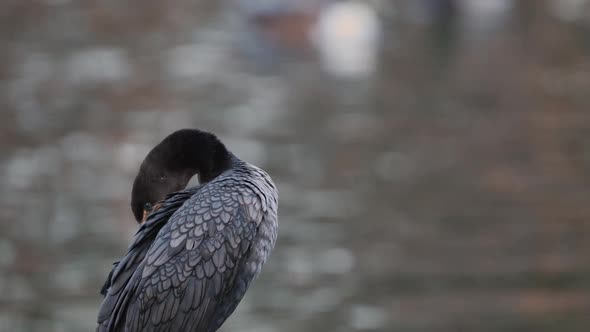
170	165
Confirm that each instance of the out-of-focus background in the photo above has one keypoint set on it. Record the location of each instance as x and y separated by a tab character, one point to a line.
432	156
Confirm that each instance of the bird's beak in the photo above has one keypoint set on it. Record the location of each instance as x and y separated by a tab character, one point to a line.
146	213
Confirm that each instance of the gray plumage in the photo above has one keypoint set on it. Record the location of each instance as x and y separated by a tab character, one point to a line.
193	259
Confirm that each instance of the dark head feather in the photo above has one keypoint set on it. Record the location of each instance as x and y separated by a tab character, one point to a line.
170	165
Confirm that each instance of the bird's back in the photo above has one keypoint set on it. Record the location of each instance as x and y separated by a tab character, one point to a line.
194	272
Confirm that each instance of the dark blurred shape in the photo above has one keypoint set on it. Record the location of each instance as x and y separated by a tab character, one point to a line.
276	31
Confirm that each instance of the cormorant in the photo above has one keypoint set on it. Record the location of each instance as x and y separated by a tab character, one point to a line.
197	249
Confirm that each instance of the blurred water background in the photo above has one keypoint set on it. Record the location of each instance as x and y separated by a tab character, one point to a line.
432	156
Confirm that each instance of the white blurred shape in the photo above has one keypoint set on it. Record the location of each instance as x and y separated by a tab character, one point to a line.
65	224
260	329
23	169
364	317
130	155
75	313
175	120
81	147
16	289
23	92
36	67
20	172
7	253
331	204
299	267
70	277
266	7
336	261
485	14
394	166
353	127
248	149
194	61
318	301
571	10
347	36
98	65
486	8
257	114
57	2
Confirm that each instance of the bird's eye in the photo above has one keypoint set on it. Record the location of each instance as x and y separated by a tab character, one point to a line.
147	206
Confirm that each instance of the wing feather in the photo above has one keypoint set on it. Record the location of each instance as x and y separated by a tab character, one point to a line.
181	279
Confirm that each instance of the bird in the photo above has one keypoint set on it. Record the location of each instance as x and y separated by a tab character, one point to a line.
197	249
